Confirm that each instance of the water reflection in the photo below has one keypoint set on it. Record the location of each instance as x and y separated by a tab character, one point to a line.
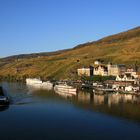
44	114
32	88
122	98
107	99
3	107
119	105
87	97
17	92
122	105
98	99
84	97
65	95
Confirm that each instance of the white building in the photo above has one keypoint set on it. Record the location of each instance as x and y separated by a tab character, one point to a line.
85	71
100	70
126	77
115	70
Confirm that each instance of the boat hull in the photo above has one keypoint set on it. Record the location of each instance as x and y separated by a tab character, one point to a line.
4	100
65	89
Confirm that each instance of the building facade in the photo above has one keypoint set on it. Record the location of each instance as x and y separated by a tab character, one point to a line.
109	70
114	70
100	70
85	71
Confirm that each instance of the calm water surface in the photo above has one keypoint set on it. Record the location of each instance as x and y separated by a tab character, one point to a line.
45	115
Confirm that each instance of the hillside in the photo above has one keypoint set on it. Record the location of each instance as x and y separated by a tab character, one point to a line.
120	48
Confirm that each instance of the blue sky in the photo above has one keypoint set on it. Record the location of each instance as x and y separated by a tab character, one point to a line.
28	26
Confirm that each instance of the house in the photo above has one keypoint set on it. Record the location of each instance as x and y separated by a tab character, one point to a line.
100	70
125	77
114	70
132	71
85	71
118	70
108	69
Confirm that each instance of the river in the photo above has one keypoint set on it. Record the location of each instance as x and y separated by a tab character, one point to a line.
44	115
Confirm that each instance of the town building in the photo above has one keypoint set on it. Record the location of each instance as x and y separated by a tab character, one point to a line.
85	71
118	70
125	77
114	70
100	70
132	71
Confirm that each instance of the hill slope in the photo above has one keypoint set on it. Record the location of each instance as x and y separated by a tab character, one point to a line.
120	48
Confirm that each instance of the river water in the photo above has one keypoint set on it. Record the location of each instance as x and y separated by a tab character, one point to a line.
44	115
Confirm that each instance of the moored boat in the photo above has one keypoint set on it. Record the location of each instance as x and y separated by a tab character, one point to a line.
47	85
4	100
33	82
103	90
37	83
65	89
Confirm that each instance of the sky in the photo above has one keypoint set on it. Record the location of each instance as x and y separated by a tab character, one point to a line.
29	26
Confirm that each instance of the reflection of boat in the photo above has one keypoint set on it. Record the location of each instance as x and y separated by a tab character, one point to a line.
37	83
65	95
4	100
84	97
65	89
103	90
3	107
99	99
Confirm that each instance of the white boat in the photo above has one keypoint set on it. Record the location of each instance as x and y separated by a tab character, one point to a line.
65	89
37	83
34	81
47	85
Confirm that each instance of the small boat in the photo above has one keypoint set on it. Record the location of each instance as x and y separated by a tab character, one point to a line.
63	88
33	82
86	86
4	100
47	85
64	95
103	90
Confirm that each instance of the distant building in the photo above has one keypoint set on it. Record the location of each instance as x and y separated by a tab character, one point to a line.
132	71
119	70
125	77
108	69
115	70
85	71
100	70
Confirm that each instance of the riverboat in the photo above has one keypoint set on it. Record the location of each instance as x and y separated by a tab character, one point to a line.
37	83
63	88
